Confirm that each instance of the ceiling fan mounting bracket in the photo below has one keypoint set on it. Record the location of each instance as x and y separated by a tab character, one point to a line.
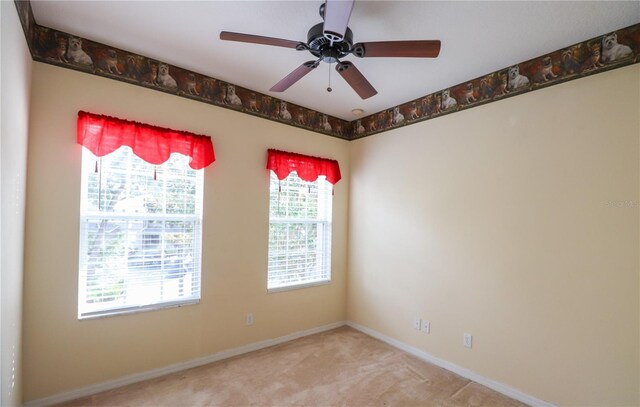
359	50
341	67
302	47
312	64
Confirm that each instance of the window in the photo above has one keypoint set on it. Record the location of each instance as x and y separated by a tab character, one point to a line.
140	233
299	232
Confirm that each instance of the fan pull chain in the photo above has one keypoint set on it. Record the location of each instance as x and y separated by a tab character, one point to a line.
329	87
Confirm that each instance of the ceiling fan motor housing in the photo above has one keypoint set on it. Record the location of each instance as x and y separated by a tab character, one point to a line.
324	49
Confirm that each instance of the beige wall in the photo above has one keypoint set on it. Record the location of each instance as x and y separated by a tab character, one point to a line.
62	353
496	221
15	83
516	221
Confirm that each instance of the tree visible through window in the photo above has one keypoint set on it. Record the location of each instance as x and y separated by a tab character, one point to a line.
299	232
140	233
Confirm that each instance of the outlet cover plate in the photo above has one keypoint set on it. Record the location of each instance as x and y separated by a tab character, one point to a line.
417	324
467	340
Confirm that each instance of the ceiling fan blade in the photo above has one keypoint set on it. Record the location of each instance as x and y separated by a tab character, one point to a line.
294	76
355	79
410	49
257	39
336	18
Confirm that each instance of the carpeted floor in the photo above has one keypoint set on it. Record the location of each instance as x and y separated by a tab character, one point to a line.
342	367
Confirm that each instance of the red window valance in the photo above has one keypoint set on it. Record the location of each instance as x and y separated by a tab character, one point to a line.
308	168
103	135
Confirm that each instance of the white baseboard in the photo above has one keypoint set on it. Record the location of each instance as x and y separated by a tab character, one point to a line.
466	373
150	374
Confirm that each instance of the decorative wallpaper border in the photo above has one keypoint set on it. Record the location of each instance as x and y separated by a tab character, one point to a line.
610	51
603	53
62	49
26	19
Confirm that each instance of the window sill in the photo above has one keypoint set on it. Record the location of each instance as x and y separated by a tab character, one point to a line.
135	310
298	286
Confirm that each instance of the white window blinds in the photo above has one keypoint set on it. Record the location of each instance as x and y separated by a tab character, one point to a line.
299	232
140	233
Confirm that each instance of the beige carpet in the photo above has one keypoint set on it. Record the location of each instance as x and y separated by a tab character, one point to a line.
342	367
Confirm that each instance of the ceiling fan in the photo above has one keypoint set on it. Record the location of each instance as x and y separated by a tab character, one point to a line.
332	40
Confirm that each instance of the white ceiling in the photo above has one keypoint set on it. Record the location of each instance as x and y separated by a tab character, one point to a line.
477	38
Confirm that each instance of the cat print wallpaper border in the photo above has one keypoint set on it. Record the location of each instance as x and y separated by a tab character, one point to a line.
26	20
603	53
69	51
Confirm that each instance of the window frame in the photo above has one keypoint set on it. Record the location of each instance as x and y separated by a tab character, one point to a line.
325	224
86	215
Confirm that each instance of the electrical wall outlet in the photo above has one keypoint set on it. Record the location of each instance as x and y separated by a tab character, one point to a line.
466	340
426	326
417	323
249	319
